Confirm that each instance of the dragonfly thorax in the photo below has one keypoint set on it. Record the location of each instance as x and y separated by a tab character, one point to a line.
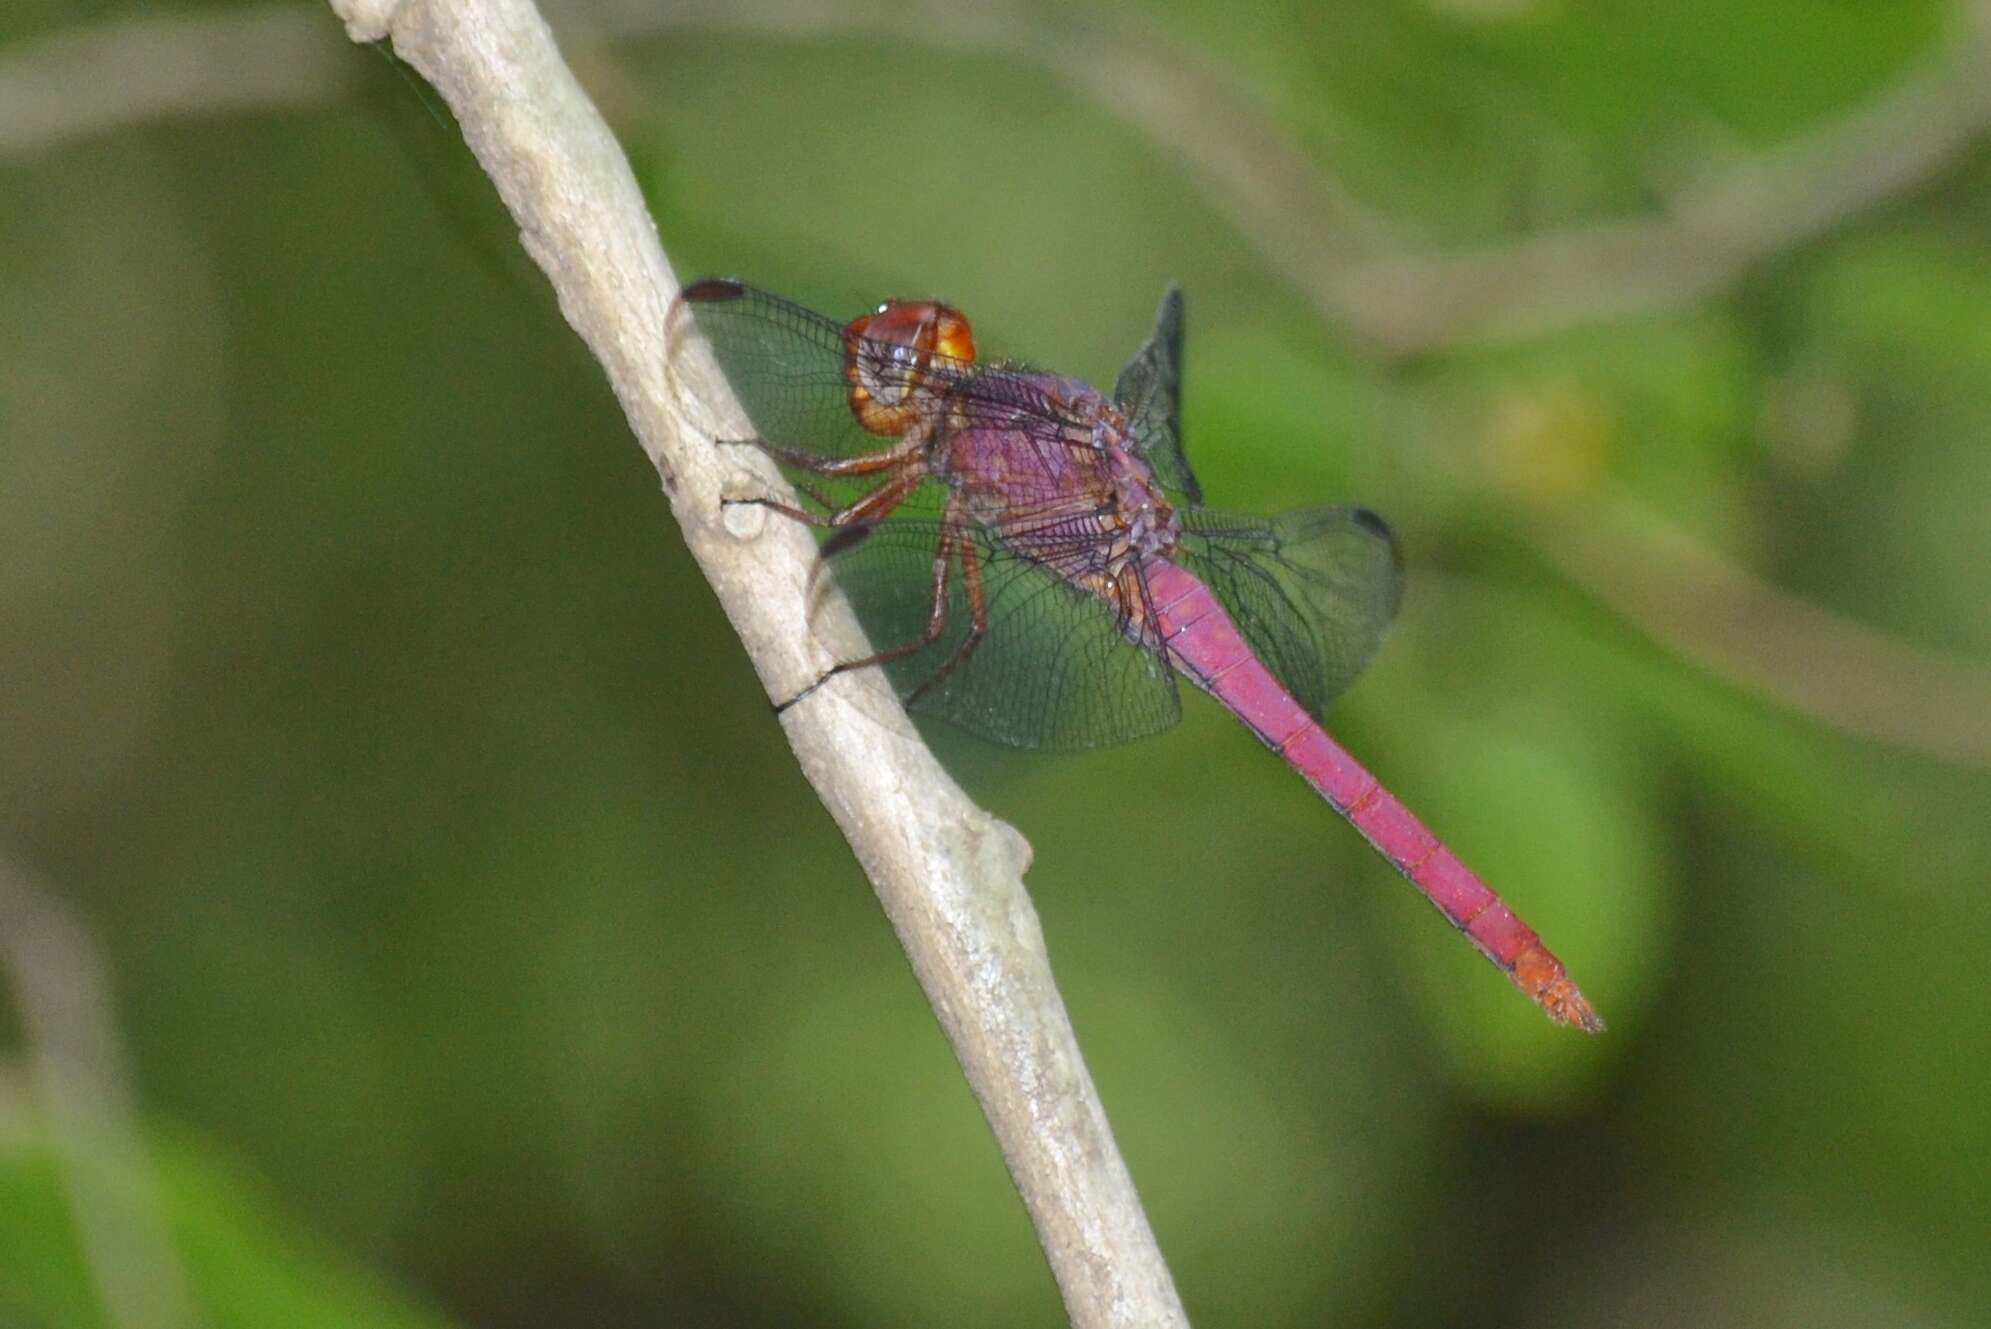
1148	520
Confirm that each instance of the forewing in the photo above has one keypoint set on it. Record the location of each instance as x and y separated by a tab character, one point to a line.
1312	590
1056	670
784	363
1149	393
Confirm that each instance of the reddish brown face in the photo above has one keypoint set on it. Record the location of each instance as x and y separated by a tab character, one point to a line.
889	360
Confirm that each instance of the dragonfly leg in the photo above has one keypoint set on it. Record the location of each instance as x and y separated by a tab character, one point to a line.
867	463
788	510
936	617
874	506
978	615
810	492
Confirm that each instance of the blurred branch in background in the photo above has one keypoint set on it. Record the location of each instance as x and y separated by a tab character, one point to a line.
76	1068
1724	618
1701	237
93	80
1704	236
948	875
1669	583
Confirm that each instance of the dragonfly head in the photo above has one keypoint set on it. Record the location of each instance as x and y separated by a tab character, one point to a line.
899	360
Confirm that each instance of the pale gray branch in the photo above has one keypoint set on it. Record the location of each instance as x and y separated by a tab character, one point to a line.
947	873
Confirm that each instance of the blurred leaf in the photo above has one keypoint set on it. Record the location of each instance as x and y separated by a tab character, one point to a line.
248	1265
1911	296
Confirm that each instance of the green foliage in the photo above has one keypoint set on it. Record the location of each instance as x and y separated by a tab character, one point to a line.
456	886
239	1261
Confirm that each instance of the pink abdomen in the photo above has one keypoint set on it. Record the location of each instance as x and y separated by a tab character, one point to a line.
1207	648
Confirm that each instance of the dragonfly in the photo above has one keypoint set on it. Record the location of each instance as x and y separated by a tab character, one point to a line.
1035	561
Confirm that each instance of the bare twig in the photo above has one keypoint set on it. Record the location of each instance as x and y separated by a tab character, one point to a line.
77	1070
948	874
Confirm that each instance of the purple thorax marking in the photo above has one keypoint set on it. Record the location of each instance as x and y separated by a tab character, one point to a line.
1081	499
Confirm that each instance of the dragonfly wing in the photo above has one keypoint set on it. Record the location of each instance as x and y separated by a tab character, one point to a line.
1055	671
1149	393
783	362
1312	590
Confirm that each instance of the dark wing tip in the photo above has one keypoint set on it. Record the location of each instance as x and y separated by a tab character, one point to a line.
712	290
844	539
1372	521
1168	327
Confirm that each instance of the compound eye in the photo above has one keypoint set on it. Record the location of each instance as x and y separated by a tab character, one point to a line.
888	370
890	360
951	334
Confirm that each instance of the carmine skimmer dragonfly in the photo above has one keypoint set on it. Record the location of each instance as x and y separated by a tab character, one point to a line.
1035	560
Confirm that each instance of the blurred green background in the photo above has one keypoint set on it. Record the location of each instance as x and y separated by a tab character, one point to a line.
412	915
